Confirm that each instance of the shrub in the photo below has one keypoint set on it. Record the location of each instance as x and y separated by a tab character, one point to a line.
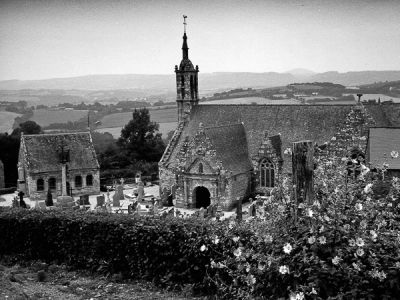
162	250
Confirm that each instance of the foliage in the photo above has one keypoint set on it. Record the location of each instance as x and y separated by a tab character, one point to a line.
162	250
139	138
345	245
9	150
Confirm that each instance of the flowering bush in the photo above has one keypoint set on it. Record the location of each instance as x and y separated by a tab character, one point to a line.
345	245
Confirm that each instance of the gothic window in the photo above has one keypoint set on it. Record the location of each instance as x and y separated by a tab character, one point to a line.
191	87
78	181
267	173
52	183
89	180
183	87
201	168
40	185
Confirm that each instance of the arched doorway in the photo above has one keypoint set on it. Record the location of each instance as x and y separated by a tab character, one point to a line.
201	197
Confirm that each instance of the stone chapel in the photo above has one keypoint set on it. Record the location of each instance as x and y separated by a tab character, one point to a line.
219	153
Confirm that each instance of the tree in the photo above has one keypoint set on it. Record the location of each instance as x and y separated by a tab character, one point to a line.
28	127
140	140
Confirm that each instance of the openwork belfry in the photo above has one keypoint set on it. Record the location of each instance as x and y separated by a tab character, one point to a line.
221	153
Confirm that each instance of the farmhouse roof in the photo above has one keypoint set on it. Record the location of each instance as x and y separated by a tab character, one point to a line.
382	143
41	151
230	143
293	122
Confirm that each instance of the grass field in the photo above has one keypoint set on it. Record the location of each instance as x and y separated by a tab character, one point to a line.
164	129
7	121
121	119
249	100
46	117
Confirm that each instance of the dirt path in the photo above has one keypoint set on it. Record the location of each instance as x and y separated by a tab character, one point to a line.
40	281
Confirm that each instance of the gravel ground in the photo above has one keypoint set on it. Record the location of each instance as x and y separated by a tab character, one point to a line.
41	281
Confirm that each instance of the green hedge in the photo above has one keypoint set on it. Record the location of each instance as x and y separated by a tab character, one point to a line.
165	251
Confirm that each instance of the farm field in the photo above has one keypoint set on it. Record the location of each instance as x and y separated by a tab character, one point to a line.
116	131
45	117
7	121
121	119
249	100
366	97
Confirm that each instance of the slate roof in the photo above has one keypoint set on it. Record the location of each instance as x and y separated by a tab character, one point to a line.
318	123
41	151
230	143
381	142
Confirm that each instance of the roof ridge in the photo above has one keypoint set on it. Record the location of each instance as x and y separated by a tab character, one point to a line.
266	104
385	127
59	133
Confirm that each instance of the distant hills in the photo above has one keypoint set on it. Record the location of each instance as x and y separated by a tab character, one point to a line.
207	81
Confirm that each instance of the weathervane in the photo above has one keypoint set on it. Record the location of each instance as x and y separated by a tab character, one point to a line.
184	22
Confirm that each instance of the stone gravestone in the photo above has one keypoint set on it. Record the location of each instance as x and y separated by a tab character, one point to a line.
252	209
100	200
116	199
201	212
119	191
140	191
84	200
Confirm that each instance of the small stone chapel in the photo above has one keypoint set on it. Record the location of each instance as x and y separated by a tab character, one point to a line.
220	153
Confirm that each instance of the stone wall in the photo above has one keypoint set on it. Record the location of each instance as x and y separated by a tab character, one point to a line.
33	193
238	186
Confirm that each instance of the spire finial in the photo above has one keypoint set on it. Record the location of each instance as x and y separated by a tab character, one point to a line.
184	23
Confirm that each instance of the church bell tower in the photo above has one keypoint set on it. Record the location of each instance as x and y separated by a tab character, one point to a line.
186	81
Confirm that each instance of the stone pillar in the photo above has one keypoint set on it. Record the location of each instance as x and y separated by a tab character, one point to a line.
303	171
64	180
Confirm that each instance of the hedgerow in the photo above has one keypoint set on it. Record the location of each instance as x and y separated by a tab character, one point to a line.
165	251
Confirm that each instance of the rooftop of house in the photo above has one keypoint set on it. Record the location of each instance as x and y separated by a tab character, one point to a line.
384	147
42	151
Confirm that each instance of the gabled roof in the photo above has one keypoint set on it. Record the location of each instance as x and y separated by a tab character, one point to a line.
230	144
381	142
318	123
41	151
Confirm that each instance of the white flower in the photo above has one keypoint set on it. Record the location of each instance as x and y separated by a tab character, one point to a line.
336	260
352	243
284	269
359	242
333	139
356	267
322	240
374	235
360	252
368	188
216	240
311	240
237	252
321	229
236	239
313	291
394	154
397	265
297	296
310	213
359	206
261	266
203	248
287	248
252	279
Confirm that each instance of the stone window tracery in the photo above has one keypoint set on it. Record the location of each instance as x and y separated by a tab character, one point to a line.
267	173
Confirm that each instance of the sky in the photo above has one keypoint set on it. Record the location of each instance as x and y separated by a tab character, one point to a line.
65	38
